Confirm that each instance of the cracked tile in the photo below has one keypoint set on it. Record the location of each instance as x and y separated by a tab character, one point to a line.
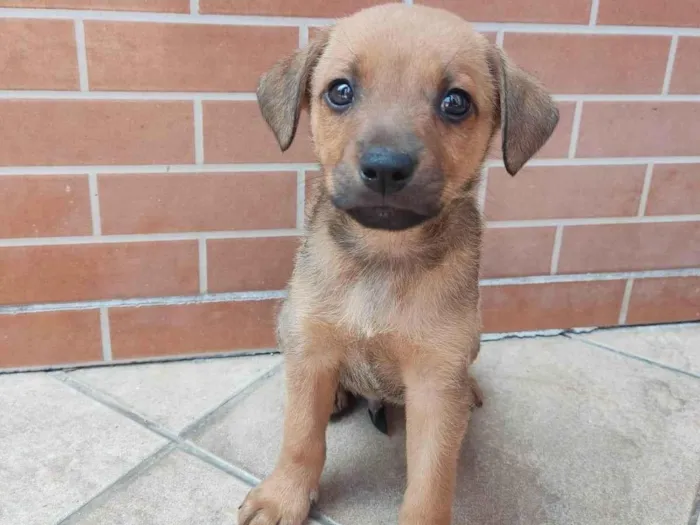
60	448
675	346
177	394
569	433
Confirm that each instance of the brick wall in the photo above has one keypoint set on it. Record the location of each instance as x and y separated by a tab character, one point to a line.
145	210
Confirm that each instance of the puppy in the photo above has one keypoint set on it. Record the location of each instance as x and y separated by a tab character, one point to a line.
384	299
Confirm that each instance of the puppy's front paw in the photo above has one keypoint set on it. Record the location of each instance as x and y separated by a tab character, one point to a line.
279	500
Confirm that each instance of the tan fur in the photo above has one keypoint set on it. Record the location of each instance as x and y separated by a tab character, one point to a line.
391	315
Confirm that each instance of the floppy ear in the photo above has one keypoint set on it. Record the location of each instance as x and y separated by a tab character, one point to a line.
283	90
528	113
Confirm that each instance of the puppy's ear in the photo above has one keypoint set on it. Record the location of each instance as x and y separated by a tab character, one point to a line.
283	90
528	114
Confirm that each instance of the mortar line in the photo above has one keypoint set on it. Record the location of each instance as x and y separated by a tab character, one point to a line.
669	65
556	250
231	354
81	51
303	36
631	356
624	307
575	129
198	131
194	7
93	188
500	36
644	197
593	20
301	199
203	265
106	335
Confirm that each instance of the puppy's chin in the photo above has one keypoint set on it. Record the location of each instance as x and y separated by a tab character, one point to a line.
386	218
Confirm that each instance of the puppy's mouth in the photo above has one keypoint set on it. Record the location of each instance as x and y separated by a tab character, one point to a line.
386	217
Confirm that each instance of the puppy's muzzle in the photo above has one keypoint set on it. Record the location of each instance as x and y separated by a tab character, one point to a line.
386	170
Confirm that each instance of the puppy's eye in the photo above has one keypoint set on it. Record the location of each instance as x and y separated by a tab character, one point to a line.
456	105
340	94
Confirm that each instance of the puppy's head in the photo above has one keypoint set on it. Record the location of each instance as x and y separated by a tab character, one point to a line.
404	101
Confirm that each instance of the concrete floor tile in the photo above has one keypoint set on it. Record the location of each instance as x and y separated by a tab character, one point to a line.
59	448
677	346
177	490
176	394
569	434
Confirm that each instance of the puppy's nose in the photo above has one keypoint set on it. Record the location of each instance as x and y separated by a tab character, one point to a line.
386	170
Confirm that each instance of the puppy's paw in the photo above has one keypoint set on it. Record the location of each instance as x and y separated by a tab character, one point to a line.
344	403
279	500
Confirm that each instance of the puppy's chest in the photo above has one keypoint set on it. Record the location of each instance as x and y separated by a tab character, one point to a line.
380	306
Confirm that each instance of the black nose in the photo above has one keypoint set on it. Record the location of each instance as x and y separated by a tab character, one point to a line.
385	170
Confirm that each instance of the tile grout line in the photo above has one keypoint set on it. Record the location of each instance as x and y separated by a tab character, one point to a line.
622	353
198	131
593	20
575	129
105	334
203	265
644	197
81	51
194	7
694	518
669	65
130	474
624	307
93	188
556	250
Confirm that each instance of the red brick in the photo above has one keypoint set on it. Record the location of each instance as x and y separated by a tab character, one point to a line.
630	247
664	300
71	132
307	8
557	146
684	13
543	11
50	338
44	206
239	265
515	308
235	132
674	190
192	329
686	67
571	63
564	192
42	274
38	54
162	203
639	129
163	6
510	252
125	56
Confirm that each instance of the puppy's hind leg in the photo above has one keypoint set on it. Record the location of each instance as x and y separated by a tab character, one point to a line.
345	403
477	393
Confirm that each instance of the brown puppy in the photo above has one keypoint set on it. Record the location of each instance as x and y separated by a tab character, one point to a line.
384	299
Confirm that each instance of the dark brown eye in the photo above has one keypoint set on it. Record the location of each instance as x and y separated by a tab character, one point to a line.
456	105
340	94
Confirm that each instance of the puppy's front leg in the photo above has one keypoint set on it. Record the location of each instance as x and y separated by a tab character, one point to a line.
285	497
436	421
